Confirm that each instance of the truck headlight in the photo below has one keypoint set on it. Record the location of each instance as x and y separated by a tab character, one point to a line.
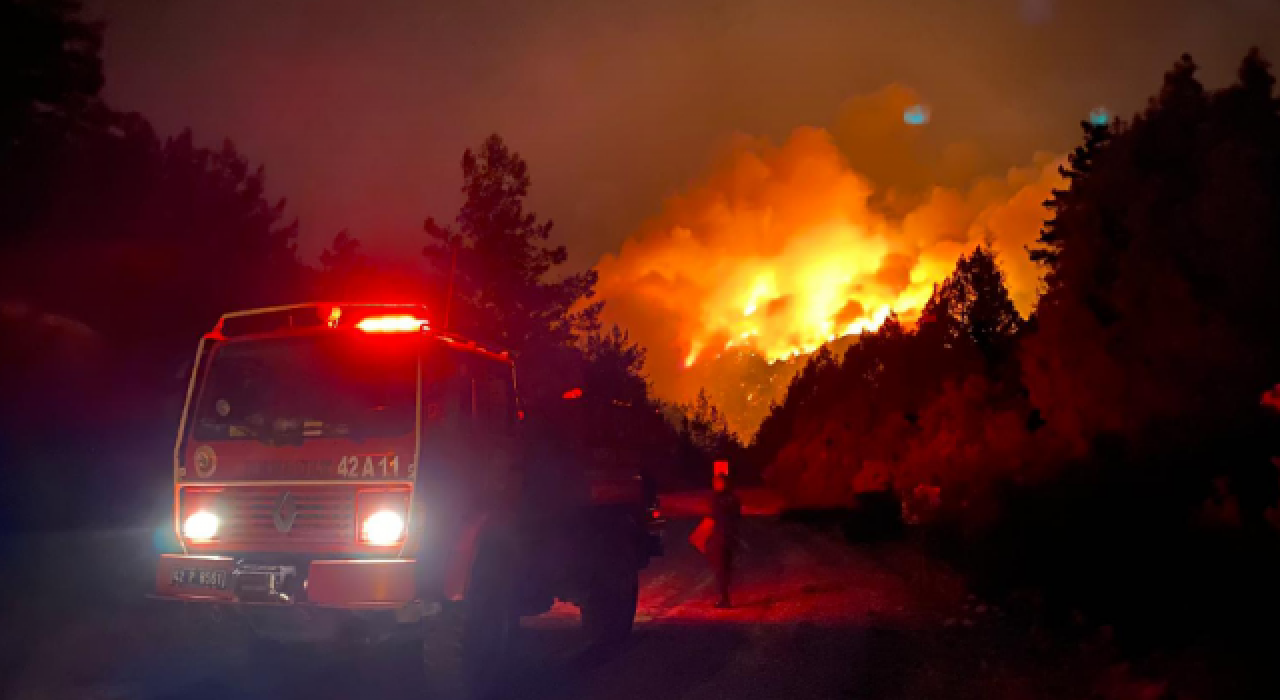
383	528
200	526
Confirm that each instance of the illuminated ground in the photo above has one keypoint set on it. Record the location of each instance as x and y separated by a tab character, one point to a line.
816	618
799	630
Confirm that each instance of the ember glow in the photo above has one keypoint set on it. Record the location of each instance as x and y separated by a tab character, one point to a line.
783	248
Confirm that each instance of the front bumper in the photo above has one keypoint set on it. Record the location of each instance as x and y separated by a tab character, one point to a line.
357	584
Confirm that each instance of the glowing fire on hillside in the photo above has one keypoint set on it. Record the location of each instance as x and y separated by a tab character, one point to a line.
783	248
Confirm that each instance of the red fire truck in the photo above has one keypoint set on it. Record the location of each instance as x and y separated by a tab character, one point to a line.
345	470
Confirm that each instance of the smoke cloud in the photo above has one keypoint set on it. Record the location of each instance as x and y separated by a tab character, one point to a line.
782	248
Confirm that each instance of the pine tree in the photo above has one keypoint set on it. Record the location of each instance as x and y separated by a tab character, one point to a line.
1163	252
615	367
500	288
973	305
1079	165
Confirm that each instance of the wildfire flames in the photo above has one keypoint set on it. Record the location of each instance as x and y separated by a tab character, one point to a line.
783	248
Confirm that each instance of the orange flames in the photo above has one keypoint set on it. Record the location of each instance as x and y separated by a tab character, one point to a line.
783	248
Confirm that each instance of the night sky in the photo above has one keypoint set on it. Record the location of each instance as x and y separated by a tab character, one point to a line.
360	110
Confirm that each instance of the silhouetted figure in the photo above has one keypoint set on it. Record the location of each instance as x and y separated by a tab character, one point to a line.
726	510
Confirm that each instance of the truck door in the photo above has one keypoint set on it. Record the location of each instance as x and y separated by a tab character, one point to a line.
494	425
470	428
468	459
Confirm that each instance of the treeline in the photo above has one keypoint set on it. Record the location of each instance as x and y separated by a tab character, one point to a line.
1114	454
119	247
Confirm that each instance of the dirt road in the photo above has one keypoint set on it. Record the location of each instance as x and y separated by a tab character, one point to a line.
806	607
815	618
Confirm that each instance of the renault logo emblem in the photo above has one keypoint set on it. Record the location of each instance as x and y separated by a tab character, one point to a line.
285	513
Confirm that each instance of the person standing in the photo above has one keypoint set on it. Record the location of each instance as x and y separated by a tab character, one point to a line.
726	511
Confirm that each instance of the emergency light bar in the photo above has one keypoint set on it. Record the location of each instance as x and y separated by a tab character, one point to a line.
314	315
369	318
400	323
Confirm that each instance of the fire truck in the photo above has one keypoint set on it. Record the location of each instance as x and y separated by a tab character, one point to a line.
346	471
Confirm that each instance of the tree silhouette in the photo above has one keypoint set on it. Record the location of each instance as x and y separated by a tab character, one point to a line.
1153	308
705	436
348	273
160	238
615	367
1152	345
779	425
973	306
500	290
344	267
1065	204
51	76
892	409
118	249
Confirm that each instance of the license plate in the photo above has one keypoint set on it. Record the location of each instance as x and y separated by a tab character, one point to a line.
200	578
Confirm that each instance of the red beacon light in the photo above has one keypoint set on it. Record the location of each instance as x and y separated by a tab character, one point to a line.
398	323
572	394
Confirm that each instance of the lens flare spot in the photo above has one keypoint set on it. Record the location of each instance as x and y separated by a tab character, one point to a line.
916	115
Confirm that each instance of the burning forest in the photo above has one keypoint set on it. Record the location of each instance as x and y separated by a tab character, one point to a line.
783	248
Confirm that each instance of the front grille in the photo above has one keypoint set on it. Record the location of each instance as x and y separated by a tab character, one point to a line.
323	516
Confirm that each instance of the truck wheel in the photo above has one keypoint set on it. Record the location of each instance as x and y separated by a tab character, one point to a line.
609	608
466	648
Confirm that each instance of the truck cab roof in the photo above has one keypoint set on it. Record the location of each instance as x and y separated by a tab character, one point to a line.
313	317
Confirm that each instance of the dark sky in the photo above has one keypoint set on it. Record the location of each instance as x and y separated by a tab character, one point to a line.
360	110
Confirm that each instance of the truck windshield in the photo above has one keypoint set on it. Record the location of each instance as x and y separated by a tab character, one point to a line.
284	390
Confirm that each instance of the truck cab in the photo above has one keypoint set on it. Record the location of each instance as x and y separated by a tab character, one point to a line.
349	463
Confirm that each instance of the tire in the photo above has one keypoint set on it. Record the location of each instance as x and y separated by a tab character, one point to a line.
466	649
609	607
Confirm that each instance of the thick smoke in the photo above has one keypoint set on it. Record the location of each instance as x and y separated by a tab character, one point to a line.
783	248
